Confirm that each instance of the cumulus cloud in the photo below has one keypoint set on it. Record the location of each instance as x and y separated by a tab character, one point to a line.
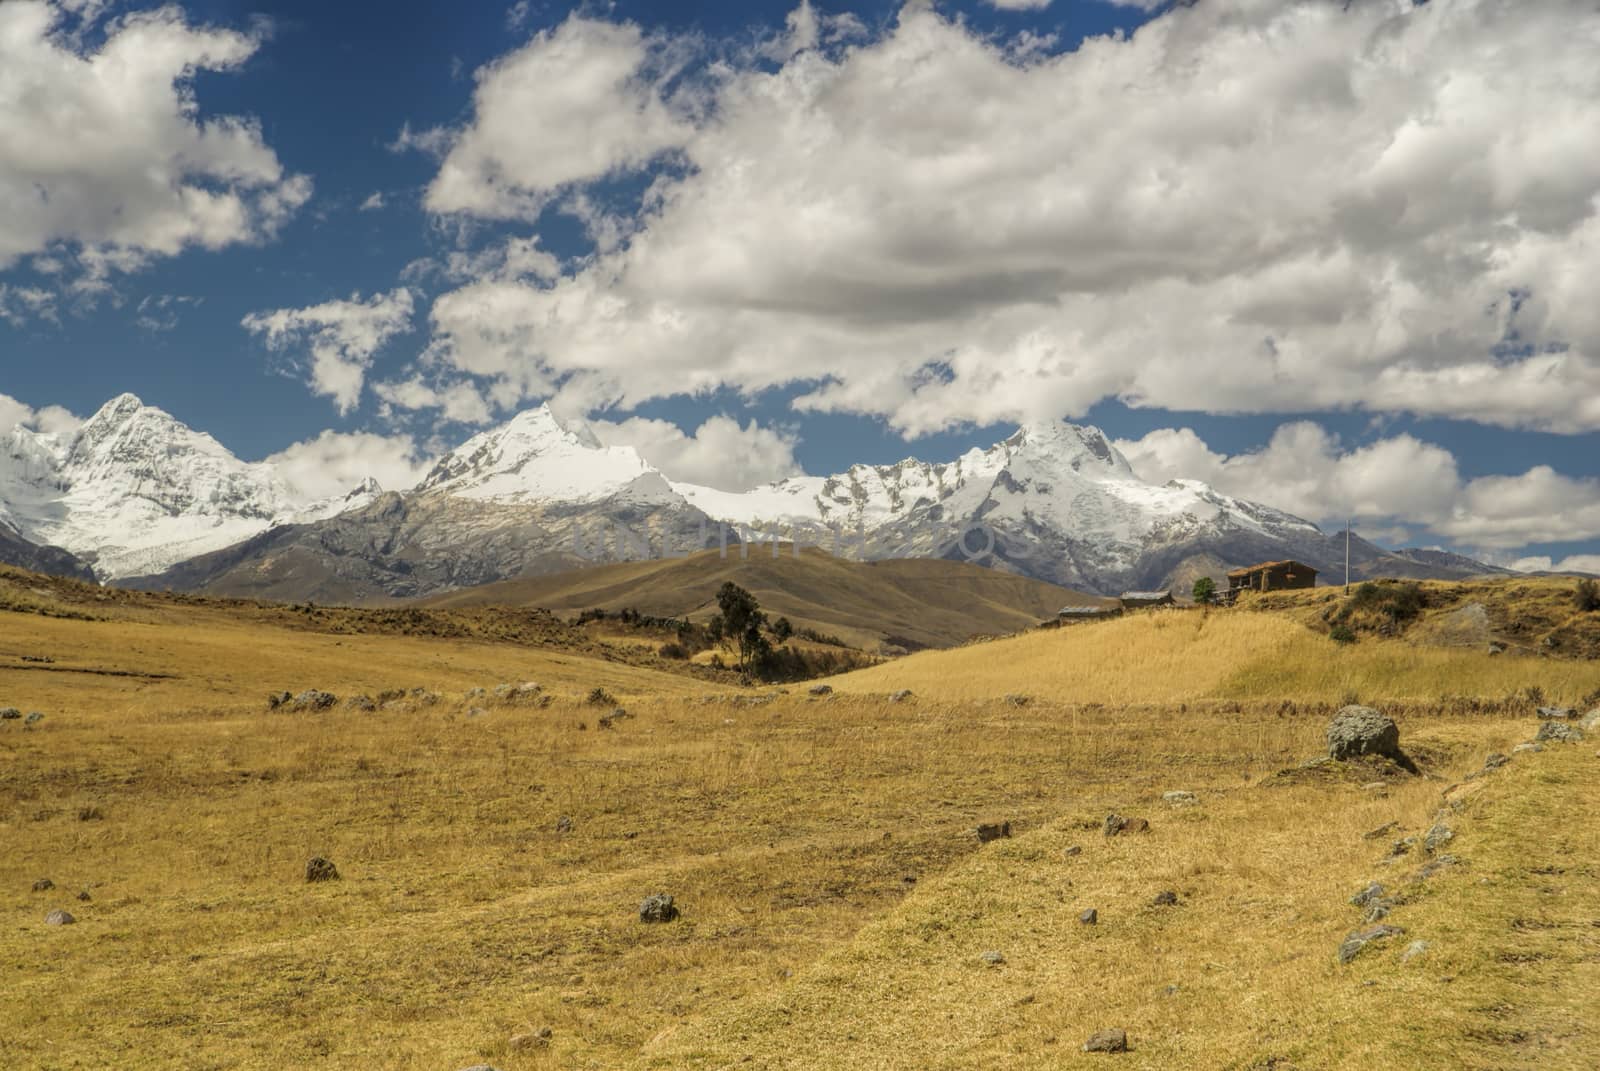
105	155
1573	563
340	338
721	453
1392	486
1243	206
51	419
1019	5
21	304
579	102
374	202
335	462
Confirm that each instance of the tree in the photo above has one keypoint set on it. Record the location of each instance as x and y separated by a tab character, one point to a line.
782	630
1587	597
1205	591
742	620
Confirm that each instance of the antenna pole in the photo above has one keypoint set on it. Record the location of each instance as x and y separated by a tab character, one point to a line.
1347	556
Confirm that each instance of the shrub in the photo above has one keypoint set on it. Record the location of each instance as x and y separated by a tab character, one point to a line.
1205	591
1587	596
1342	634
601	698
675	651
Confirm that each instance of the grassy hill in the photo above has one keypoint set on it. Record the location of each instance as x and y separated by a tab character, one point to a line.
908	603
835	903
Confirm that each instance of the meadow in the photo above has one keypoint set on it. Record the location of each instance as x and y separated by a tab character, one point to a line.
835	902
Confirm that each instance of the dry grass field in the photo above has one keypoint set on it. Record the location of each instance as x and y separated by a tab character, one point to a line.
835	902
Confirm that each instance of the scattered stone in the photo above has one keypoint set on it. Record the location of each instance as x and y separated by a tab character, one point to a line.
35	718
1437	866
1358	941
901	696
1381	832
320	869
313	699
1076	849
1413	950
821	689
1089	917
1018	700
1550	730
1437	838
1165	898
992	958
59	917
1107	1041
1526	747
479	692
989	831
84	896
9	713
1377	911
1495	761
538	1039
1116	825
43	885
278	699
564	824
1358	730
1180	798
1402	847
1372	892
657	908
362	703
1562	713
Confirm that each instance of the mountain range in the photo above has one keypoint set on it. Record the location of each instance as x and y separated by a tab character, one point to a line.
134	497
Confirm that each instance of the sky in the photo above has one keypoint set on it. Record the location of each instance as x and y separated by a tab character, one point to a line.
1333	256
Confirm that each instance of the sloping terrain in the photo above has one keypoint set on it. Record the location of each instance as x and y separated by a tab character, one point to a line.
907	603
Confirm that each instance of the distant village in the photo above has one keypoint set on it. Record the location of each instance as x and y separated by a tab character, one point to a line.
1267	576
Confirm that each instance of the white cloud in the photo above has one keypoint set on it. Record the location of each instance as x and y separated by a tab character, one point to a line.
1019	5
341	336
1244	206
579	102
335	462
161	312
21	304
720	453
105	156
456	401
1394	483
373	203
1573	563
51	419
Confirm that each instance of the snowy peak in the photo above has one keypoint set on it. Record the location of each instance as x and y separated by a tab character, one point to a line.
1081	447
535	458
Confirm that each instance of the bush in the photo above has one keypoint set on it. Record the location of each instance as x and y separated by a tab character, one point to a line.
1342	634
601	698
1587	596
1205	591
676	651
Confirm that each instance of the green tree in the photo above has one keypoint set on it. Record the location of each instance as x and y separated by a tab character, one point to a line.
782	630
742	620
1205	591
1587	597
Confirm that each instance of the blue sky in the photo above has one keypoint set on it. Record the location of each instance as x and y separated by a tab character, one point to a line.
939	291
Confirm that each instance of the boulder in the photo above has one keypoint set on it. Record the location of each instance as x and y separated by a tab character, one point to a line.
1359	940
658	908
1116	825
1556	714
1437	838
1495	761
1089	917
989	831
1560	732
1107	1041
59	917
9	713
1358	730
43	885
320	869
1372	892
313	699
362	703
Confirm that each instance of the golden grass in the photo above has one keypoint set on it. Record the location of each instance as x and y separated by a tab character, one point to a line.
787	827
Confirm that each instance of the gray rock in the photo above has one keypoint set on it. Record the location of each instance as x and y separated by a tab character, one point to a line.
1520	748
313	699
59	917
658	908
1562	713
1413	950
1591	721
1359	940
1372	892
43	885
1076	849
564	824
9	713
33	719
992	958
320	869
1495	761
1107	1041
1437	838
1089	917
1116	825
1402	847
989	831
821	689
1437	866
1559	731
901	696
361	702
1165	898
1358	730
1180	798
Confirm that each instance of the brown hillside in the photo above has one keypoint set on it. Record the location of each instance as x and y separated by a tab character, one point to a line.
907	602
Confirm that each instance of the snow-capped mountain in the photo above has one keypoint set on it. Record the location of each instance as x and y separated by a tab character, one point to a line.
134	491
1053	501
